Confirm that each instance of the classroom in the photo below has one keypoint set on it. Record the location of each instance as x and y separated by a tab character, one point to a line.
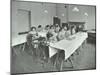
52	37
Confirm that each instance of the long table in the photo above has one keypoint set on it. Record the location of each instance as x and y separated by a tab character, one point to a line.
69	46
19	39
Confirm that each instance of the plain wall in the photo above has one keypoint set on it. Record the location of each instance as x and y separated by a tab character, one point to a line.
38	14
62	12
80	17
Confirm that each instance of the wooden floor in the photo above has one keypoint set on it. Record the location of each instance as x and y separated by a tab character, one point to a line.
25	63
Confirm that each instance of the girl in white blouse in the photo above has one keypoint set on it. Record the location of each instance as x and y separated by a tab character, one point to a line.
73	30
64	33
51	35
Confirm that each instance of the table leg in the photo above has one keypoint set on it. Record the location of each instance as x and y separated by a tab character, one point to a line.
70	61
60	60
77	51
83	45
72	57
85	41
59	64
56	60
61	67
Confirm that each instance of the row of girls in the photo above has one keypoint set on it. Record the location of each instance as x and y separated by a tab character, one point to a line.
54	33
35	44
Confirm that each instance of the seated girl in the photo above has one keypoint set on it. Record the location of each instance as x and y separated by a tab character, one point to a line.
35	41
46	29
51	35
68	33
73	29
33	32
57	28
64	33
40	29
29	46
35	36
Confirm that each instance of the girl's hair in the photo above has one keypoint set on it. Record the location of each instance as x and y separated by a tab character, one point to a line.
39	26
51	26
57	26
72	27
33	28
65	26
47	26
60	28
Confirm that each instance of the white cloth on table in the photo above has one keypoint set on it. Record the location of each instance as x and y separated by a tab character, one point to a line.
69	46
43	34
18	40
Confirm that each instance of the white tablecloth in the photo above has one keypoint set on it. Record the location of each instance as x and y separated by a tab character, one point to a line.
19	39
69	46
43	34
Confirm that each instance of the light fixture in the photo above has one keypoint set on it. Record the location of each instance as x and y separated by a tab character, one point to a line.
44	8
86	14
75	9
45	11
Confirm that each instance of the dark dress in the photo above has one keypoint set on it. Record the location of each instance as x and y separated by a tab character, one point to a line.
29	47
